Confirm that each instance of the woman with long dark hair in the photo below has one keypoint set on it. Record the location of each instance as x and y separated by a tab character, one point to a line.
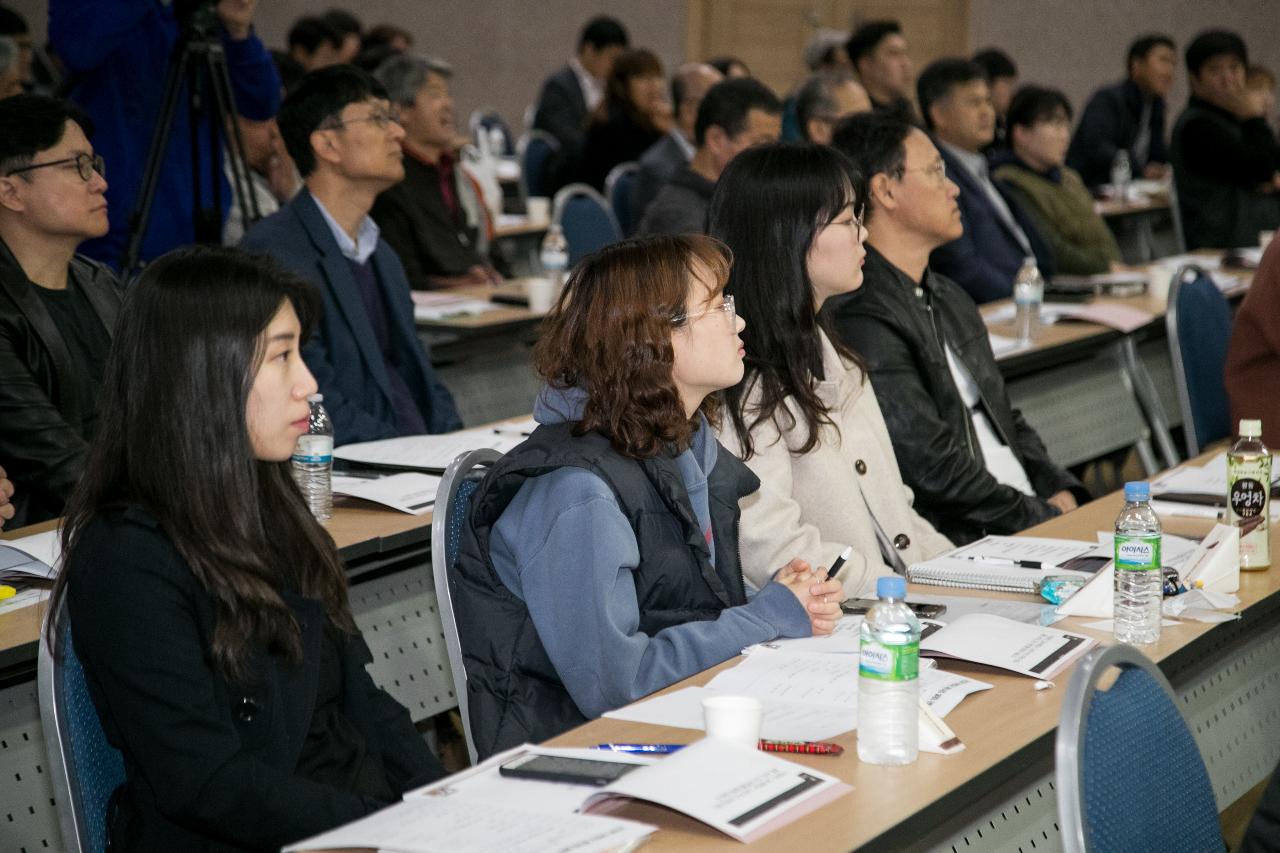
804	418
633	115
600	560
207	606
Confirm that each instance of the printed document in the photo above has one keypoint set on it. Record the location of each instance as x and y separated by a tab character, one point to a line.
410	492
431	453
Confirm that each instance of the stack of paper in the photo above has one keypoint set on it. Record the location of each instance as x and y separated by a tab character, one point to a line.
431	453
409	492
1005	644
1009	563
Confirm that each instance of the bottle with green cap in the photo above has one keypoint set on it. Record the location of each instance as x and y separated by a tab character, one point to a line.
1249	495
888	678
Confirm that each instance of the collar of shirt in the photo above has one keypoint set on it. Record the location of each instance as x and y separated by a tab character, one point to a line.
682	143
592	87
974	162
359	249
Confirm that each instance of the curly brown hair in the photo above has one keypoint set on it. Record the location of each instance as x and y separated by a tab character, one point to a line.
610	335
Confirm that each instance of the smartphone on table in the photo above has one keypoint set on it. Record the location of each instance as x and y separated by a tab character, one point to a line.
576	771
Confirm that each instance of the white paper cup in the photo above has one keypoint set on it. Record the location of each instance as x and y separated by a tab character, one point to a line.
538	208
1159	277
733	718
542	293
1264	239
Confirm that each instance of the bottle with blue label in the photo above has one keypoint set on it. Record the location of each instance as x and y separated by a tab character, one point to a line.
1138	585
888	678
313	460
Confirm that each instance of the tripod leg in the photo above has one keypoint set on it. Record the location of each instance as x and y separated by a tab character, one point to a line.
225	104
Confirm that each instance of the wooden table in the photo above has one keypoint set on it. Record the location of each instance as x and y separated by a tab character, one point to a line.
502	318
1114	207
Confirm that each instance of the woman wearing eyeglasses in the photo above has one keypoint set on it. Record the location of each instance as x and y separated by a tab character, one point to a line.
600	560
805	419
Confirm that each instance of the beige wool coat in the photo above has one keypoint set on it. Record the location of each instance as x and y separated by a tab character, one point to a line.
813	506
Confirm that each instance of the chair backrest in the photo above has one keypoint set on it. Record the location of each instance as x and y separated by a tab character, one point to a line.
617	188
485	120
84	769
1198	322
1128	773
587	221
537	150
453	503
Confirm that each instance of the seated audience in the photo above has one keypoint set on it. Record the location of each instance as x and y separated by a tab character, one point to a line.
1261	86
6	498
1226	160
997	236
397	39
825	52
675	149
571	95
314	43
10	71
1052	195
435	219
1002	77
208	608
374	371
273	179
729	66
116	57
600	559
349	30
14	27
633	116
1128	116
878	52
823	100
1253	354
57	308
975	466
735	115
804	418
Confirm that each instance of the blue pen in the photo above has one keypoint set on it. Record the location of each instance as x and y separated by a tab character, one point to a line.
650	748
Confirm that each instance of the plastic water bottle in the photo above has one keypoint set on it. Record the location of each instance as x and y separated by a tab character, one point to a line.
888	678
313	460
555	256
1121	174
1139	587
497	142
1028	296
1249	495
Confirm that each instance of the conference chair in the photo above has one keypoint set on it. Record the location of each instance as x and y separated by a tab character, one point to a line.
617	188
1198	322
1128	773
84	769
453	503
484	120
537	152
587	221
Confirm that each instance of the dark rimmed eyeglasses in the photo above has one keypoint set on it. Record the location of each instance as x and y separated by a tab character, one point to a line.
380	118
86	165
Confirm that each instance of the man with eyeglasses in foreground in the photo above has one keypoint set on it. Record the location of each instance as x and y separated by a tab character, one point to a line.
975	465
374	372
57	308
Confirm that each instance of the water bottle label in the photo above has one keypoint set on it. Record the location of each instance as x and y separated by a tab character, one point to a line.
1137	553
314	449
889	663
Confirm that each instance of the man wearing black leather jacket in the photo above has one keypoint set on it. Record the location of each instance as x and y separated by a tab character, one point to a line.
975	465
57	309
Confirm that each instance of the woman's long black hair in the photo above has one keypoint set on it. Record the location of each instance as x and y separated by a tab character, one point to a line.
172	438
768	207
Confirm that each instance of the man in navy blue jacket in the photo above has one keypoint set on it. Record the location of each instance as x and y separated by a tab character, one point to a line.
955	100
117	55
375	374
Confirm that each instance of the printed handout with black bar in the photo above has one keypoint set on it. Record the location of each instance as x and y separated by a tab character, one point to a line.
1003	643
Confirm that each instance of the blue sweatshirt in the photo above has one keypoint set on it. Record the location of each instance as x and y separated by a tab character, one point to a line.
564	547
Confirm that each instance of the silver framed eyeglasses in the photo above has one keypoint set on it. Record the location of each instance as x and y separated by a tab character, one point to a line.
380	118
728	310
86	165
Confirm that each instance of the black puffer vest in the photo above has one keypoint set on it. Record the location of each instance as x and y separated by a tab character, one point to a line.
513	691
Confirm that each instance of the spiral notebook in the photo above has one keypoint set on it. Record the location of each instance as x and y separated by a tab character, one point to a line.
1010	563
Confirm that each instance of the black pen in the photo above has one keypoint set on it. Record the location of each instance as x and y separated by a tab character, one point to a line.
835	567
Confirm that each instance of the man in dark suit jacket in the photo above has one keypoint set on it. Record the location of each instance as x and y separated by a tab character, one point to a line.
1128	116
569	95
375	374
956	102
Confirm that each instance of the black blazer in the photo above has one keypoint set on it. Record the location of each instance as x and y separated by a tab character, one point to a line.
209	764
42	440
562	112
1110	123
616	139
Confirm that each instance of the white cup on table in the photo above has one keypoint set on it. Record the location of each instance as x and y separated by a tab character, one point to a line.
542	294
733	718
1159	278
1265	238
538	208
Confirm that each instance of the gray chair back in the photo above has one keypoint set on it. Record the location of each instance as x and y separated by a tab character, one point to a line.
453	503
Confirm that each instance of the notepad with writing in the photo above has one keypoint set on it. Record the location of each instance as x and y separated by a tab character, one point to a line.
1009	563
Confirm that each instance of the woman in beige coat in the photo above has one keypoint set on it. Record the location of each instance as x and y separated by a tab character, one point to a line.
804	418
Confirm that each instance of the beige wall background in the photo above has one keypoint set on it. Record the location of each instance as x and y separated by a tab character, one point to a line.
502	49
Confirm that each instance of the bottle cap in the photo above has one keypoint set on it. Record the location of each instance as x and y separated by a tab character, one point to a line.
1137	491
315	398
894	586
1250	428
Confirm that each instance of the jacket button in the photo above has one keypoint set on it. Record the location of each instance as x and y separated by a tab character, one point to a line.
860	467
246	709
902	542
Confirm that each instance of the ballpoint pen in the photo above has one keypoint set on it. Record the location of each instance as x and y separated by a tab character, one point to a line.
1007	561
835	567
642	748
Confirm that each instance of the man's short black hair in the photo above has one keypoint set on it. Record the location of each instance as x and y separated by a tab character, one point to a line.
867	38
1034	104
876	143
321	95
1142	46
996	63
727	103
602	32
1211	43
12	23
939	78
310	32
30	124
343	22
